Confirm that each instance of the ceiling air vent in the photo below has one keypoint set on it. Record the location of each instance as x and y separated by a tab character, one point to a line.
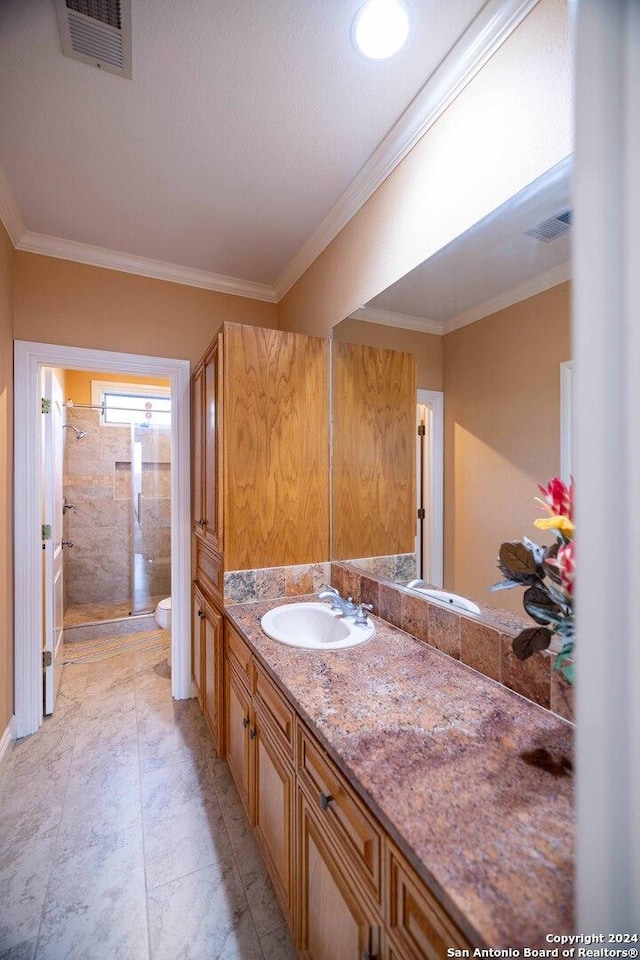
552	228
97	32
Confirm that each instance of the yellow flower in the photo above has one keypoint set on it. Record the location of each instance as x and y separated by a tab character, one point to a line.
561	523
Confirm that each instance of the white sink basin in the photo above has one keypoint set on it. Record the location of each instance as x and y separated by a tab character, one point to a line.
314	626
461	603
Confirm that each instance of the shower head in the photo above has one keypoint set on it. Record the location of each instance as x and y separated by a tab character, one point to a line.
79	433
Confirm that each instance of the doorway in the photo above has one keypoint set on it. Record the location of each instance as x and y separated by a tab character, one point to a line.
429	487
30	359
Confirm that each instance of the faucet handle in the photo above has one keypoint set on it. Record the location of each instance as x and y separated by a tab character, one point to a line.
361	614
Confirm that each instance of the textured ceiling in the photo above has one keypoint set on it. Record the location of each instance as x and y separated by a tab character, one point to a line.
242	126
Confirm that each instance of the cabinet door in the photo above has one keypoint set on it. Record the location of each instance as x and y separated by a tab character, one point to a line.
211	697
197	447
273	807
238	729
211	494
335	921
197	635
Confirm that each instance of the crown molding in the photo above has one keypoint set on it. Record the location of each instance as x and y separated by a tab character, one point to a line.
403	320
523	291
158	270
493	25
10	212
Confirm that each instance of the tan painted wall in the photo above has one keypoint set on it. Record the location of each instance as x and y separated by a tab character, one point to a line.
426	347
78	382
6	479
57	301
509	125
502	435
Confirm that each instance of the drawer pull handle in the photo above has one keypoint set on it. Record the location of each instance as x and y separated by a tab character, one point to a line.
201	614
245	722
252	734
325	800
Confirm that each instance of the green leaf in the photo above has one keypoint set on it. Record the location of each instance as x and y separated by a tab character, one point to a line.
540	605
517	562
531	640
505	585
550	554
537	551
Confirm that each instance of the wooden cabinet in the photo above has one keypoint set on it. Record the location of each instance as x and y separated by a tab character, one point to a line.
260	736
335	920
206	406
206	654
346	889
197	614
418	926
239	730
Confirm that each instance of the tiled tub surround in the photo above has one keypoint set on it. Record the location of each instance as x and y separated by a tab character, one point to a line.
470	780
97	479
271	583
482	642
97	567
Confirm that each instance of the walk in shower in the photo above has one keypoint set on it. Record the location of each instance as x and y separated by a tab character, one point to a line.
117	507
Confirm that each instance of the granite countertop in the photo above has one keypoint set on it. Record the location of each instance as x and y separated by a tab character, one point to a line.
471	780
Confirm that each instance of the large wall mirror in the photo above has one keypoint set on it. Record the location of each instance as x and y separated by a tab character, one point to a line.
485	323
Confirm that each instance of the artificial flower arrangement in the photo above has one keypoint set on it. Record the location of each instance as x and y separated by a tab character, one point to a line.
548	575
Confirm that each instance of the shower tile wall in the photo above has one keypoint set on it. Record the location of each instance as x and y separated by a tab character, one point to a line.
155	508
97	567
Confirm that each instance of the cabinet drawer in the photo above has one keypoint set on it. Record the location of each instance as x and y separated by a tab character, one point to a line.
343	813
415	918
209	570
275	711
240	655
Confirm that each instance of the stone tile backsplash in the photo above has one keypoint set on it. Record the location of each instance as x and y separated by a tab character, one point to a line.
483	643
271	583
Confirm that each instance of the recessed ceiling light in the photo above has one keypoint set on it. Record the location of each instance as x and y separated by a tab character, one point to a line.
380	28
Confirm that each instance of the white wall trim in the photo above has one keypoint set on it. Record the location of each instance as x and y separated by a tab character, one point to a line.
551	278
7	738
10	212
28	360
493	25
403	320
566	420
142	266
606	307
434	400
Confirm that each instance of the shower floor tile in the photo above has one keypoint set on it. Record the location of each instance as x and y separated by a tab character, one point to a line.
81	613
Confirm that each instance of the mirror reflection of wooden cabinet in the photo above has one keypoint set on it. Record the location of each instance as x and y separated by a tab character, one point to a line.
373	451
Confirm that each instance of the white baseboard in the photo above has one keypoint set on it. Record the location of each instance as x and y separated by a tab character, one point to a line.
6	738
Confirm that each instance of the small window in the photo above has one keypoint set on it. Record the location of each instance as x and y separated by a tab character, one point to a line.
122	408
124	403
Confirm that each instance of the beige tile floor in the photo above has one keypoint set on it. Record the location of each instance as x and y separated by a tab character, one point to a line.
121	833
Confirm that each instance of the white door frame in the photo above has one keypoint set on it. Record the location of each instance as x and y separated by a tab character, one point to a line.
29	358
606	336
566	420
432	491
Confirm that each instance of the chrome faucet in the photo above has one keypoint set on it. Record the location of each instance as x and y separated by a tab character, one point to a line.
346	607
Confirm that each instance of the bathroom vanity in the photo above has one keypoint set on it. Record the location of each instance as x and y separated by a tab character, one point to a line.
404	804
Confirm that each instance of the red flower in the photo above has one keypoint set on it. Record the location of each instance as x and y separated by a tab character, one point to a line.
558	497
565	562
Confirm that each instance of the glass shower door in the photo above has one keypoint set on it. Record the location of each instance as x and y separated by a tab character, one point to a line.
150	516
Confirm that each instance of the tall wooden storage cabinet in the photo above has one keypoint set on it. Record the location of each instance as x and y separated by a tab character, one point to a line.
260	472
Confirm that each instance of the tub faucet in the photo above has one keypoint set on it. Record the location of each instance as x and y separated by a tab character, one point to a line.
346	607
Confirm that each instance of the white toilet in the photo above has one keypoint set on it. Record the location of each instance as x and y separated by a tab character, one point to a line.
163	614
